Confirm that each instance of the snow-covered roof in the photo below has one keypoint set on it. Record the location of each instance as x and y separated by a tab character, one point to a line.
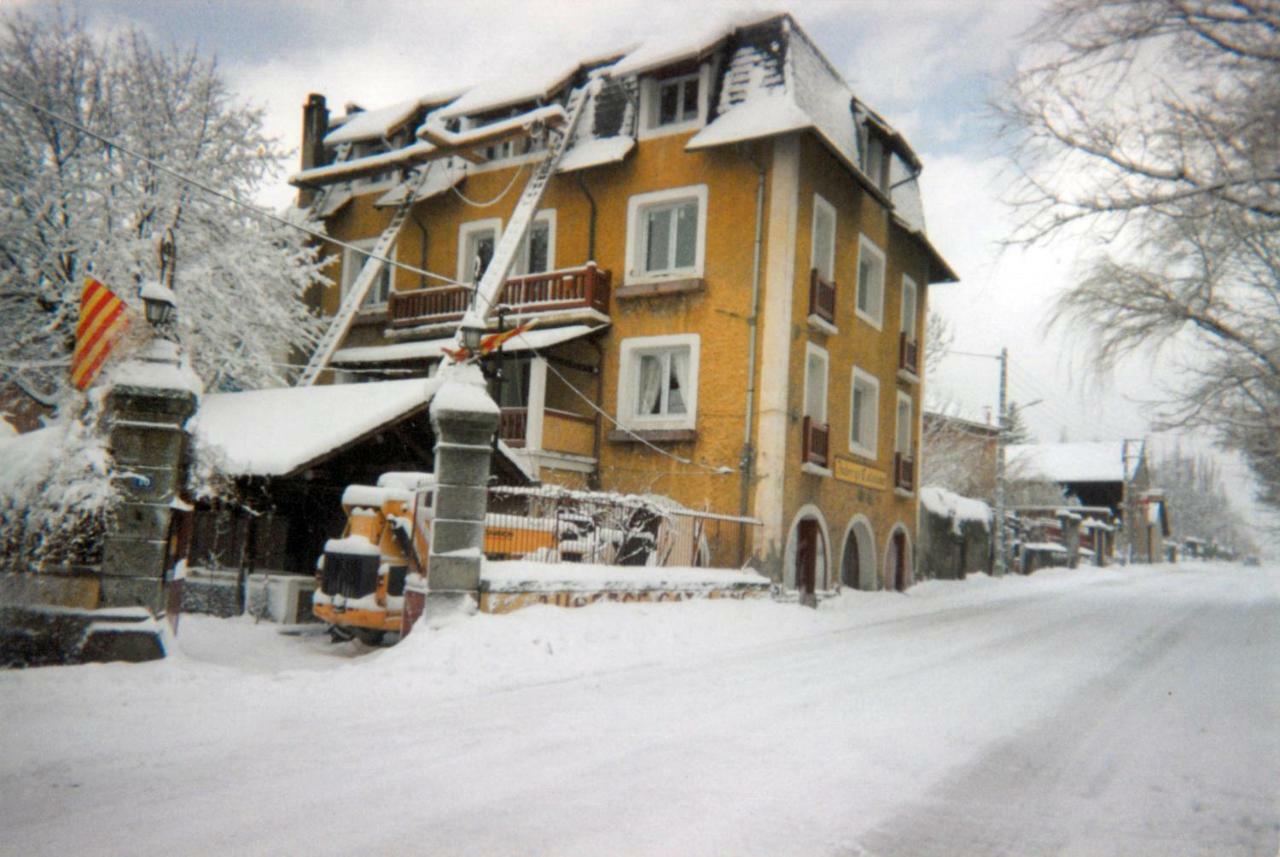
278	431
530	340
771	80
380	123
1098	461
532	85
954	507
690	43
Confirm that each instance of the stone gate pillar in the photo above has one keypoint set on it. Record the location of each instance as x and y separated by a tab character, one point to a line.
153	396
465	420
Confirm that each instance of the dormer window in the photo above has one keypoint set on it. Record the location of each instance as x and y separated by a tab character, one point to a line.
676	102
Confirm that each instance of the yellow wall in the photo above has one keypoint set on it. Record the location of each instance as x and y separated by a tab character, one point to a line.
718	314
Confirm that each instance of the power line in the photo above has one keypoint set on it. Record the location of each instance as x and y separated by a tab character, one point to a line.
253	209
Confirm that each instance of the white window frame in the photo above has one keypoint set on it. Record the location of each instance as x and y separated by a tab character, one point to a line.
465	231
820	204
521	266
637	206
865	246
629	367
903	399
649	87
909	285
856	445
810	351
351	272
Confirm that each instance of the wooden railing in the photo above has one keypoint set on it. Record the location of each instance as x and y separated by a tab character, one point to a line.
908	354
822	297
586	287
904	472
815	442
513	426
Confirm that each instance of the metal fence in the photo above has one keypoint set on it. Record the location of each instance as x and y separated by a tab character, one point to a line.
558	525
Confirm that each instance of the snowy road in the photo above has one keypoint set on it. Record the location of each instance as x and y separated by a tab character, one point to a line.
1076	713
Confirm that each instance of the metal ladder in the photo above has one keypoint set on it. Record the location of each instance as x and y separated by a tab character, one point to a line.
504	255
369	273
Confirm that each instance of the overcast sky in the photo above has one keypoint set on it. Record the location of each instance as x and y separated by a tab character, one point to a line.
930	67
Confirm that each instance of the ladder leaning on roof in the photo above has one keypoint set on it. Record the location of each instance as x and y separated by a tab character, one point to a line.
504	254
369	273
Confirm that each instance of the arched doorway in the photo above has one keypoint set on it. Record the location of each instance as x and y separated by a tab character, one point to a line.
897	561
807	557
858	558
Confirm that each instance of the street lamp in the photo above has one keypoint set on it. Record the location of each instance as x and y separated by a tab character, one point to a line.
158	302
472	332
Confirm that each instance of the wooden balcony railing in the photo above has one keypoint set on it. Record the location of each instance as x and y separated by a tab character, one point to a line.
908	354
904	472
815	443
586	287
513	426
822	297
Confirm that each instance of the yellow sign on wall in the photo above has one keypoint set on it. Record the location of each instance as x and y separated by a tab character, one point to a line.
858	474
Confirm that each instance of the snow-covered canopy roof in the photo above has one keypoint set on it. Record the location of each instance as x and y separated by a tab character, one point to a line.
495	94
431	349
278	431
380	123
1099	461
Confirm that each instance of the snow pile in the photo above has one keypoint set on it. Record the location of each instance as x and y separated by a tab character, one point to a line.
56	491
461	390
517	576
159	364
959	510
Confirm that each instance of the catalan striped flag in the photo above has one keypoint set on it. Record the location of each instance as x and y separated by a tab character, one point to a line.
102	320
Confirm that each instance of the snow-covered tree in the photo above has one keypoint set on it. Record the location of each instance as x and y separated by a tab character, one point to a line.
1154	123
1197	499
75	205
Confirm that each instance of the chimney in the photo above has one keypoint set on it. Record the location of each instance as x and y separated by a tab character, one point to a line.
315	123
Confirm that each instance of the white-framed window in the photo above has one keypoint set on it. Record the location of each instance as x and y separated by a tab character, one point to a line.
538	250
864	413
870	300
910	296
658	384
476	243
669	105
902	435
824	238
815	383
353	261
667	234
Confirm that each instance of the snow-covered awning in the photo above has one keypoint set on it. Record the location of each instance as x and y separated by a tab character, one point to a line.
445	175
279	431
530	340
596	152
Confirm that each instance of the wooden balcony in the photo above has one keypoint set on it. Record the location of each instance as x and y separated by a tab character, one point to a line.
908	354
904	472
815	443
568	289
822	297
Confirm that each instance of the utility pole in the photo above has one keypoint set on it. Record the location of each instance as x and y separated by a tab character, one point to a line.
1002	424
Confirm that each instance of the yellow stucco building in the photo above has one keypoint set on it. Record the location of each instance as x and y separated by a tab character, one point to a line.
727	278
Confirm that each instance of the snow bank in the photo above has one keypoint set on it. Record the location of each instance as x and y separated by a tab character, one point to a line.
517	576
